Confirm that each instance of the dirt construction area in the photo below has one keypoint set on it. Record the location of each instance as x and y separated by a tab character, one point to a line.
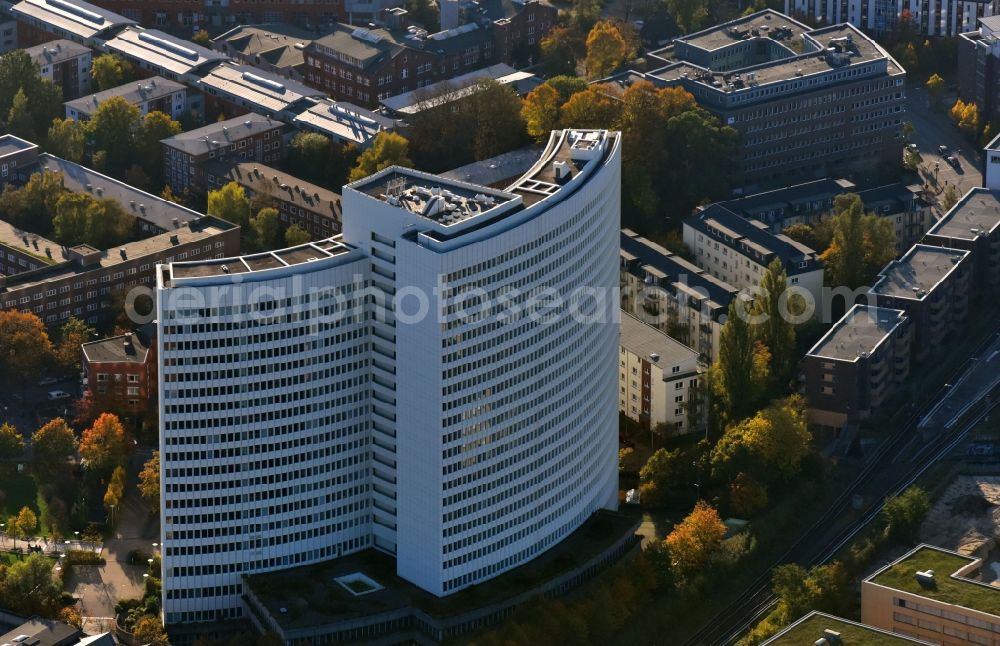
966	516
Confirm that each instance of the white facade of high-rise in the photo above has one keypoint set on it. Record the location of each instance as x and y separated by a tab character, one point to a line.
489	384
929	17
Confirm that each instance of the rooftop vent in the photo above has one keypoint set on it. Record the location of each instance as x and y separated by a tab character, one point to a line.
925	578
123	254
225	269
561	170
654	357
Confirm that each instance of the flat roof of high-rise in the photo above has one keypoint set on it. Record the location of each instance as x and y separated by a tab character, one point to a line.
762	24
858	333
976	214
308	252
647	341
9	144
918	272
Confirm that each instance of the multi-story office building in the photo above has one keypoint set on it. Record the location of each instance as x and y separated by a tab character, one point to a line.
152	94
233	89
856	366
314	208
345	414
810	202
978	69
187	16
8	28
275	48
934	595
927	17
931	284
250	137
366	66
738	251
657	375
155	53
65	63
39	21
808	103
816	627
673	295
973	224
120	372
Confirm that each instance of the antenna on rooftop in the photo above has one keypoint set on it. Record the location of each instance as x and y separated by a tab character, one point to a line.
395	186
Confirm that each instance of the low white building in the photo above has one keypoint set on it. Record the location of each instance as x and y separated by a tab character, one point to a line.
65	63
656	376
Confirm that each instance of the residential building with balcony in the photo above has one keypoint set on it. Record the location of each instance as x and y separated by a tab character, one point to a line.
935	595
65	63
250	137
818	626
931	284
978	69
807	103
657	375
39	21
151	94
8	28
233	89
673	295
156	53
856	366
973	224
424	433
314	208
119	372
738	251
810	202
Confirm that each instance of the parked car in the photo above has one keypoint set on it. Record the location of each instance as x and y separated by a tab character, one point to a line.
48	381
954	162
943	150
56	395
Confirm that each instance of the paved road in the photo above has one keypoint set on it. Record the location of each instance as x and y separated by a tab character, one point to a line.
933	129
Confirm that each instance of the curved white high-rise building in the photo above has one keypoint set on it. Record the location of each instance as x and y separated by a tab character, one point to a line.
460	412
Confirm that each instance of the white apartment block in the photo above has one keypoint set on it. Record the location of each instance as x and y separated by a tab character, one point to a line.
656	377
738	251
439	383
65	63
930	17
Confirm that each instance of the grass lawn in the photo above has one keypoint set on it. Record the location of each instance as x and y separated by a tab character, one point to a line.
17	490
968	594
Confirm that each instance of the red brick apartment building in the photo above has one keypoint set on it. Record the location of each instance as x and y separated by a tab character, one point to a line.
120	372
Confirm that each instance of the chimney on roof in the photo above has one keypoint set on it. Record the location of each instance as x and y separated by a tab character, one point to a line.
129	348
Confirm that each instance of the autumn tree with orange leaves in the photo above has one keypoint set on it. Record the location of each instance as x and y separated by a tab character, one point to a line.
695	539
106	444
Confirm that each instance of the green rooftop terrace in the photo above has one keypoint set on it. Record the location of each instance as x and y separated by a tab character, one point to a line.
964	592
810	628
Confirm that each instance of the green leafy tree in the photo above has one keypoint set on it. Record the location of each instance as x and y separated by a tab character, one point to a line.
31	205
28	588
606	50
500	125
72	334
861	244
53	443
231	204
747	496
658	476
688	14
82	219
949	197
267	228
113	128
296	235
769	446
11	443
111	70
903	514
20	122
309	156
425	14
66	138
148	630
388	149
776	331
24	346
739	362
156	126
566	86
44	100
560	51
